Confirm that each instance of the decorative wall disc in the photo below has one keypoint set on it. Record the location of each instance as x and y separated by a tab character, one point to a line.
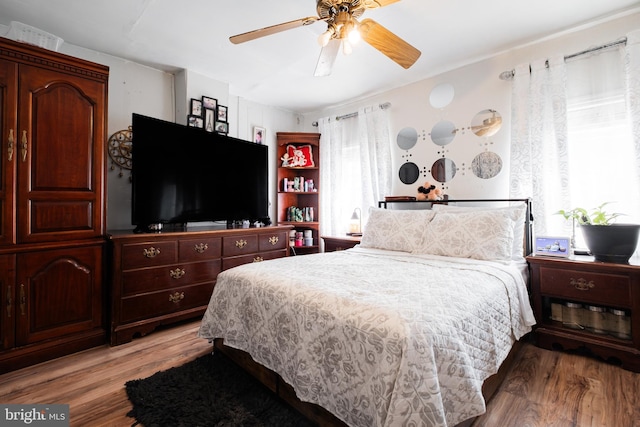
486	165
119	146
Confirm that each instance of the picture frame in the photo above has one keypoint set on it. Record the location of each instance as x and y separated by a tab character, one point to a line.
209	119
222	113
195	107
210	103
258	135
552	246
222	127
195	121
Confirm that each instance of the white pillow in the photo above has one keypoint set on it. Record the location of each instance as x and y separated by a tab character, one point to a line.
485	235
517	214
395	230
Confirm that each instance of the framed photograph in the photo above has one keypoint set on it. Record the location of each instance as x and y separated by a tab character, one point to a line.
552	246
222	113
195	121
209	119
195	107
258	135
222	127
210	103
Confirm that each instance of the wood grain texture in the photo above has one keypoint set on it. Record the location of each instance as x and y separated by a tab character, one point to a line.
543	388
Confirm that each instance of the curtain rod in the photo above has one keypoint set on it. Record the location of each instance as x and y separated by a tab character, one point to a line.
355	114
508	75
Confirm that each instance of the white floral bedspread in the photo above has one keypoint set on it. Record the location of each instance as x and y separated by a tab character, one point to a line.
377	338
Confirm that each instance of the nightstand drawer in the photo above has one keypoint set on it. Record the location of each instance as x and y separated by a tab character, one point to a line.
606	289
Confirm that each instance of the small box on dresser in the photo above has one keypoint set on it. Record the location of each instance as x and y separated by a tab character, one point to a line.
582	304
159	279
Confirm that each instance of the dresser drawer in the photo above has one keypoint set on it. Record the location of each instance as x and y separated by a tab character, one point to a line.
165	302
168	277
199	249
606	289
239	245
228	263
272	241
148	254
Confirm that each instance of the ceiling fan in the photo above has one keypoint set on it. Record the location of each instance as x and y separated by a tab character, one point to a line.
343	28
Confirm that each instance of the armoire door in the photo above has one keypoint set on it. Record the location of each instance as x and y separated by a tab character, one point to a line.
61	131
62	293
8	149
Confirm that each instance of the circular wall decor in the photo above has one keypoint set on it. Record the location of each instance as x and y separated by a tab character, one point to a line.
443	170
441	95
443	132
486	123
119	147
409	173
486	165
407	138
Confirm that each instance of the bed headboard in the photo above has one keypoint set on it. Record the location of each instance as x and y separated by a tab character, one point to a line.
528	221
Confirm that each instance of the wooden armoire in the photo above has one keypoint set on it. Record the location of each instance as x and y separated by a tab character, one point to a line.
53	111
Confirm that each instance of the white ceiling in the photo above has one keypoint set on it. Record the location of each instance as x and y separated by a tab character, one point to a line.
278	70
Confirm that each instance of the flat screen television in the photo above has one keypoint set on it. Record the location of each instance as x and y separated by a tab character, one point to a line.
182	174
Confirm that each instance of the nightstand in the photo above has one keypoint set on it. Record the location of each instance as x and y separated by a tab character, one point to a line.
581	304
332	243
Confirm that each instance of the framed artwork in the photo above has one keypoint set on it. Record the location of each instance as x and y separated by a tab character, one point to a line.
222	127
222	113
210	103
258	135
209	119
195	121
195	107
552	246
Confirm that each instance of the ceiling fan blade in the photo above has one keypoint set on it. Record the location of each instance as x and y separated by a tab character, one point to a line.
372	4
273	29
327	57
388	43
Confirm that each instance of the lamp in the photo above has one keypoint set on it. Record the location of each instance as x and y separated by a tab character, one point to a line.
355	225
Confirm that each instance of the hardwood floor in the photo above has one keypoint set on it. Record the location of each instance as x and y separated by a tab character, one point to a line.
543	389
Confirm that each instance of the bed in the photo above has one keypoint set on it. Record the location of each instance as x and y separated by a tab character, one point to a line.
403	329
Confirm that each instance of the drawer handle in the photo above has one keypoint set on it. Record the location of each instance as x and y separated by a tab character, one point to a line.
582	285
273	240
9	302
176	297
23	300
151	252
177	273
258	259
10	146
201	247
241	243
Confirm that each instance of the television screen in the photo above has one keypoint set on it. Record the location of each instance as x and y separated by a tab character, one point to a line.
185	174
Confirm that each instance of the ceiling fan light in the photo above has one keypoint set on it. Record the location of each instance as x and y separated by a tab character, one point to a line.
354	35
347	49
324	38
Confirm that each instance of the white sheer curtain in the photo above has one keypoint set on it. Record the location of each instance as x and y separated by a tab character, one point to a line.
576	135
355	165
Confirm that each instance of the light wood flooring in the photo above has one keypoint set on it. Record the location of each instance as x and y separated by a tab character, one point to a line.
543	389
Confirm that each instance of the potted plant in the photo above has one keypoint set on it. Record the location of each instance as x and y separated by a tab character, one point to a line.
607	241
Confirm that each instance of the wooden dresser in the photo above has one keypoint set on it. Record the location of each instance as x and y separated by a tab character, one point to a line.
163	278
585	305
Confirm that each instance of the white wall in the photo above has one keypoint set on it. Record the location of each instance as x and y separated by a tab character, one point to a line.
477	87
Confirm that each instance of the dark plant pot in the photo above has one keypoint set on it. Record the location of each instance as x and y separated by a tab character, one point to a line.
611	243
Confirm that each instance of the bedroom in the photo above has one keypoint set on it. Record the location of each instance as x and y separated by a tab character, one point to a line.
477	87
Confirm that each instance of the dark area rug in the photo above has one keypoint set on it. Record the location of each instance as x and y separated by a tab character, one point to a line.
210	391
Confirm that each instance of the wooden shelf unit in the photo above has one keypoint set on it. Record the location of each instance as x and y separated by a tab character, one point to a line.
300	199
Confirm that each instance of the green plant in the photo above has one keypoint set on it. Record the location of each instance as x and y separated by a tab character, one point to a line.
598	216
